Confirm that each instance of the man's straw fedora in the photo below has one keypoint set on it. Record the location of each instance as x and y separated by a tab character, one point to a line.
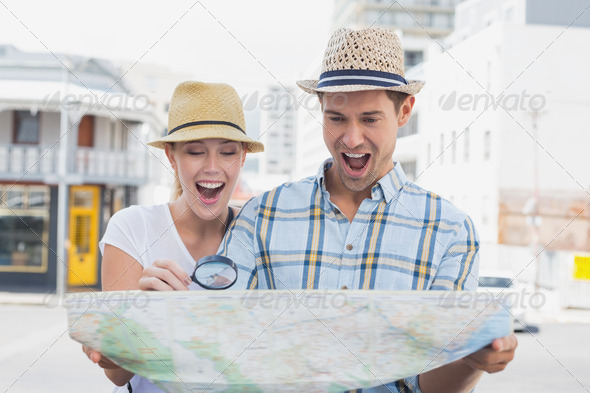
206	110
367	59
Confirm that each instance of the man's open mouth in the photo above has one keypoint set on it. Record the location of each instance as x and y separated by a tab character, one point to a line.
356	162
210	190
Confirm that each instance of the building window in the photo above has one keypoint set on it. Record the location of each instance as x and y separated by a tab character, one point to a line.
86	131
24	229
128	130
487	145
423	19
120	131
413	57
26	127
113	135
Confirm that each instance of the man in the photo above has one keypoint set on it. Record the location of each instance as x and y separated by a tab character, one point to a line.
359	223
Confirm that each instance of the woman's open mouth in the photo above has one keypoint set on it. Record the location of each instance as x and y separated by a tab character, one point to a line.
355	163
209	191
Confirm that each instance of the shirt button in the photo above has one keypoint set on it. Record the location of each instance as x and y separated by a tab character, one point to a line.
344	287
349	247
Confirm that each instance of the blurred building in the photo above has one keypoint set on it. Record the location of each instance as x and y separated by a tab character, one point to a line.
499	127
157	83
501	133
416	22
278	127
72	133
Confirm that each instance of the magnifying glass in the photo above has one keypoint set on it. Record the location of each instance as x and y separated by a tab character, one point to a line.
215	272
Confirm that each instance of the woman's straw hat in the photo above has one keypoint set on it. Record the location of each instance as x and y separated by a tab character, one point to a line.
206	110
367	59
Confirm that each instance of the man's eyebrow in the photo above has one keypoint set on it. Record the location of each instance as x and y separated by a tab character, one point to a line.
372	113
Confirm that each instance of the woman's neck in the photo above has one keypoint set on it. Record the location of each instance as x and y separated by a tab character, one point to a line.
191	227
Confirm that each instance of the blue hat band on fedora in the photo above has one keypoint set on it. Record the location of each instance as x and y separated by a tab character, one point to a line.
360	77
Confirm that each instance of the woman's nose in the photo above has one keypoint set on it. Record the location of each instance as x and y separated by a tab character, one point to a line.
211	163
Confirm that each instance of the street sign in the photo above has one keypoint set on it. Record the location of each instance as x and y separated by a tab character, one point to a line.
582	267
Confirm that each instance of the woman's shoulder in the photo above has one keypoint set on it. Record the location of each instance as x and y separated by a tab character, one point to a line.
140	213
133	228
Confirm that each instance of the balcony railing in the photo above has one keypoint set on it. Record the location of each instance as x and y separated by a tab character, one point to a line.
86	165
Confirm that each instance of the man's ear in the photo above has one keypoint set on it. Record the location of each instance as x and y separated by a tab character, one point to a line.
170	154
405	110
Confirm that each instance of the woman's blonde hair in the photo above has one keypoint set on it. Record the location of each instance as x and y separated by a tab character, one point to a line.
176	188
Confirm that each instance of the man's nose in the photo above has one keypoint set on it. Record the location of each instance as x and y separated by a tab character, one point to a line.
353	135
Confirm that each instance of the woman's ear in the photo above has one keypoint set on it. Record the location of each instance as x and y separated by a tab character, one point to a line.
244	150
169	149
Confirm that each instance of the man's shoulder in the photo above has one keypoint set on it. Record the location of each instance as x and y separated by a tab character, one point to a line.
287	198
431	204
140	213
287	193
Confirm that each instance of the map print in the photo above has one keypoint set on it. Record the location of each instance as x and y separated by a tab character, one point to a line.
287	341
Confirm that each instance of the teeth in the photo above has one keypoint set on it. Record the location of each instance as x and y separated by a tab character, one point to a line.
210	185
351	155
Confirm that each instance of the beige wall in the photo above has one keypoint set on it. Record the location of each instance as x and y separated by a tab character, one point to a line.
565	222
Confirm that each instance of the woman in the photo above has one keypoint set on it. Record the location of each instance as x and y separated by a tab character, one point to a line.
155	247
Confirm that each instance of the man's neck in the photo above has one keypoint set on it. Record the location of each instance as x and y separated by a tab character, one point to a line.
348	201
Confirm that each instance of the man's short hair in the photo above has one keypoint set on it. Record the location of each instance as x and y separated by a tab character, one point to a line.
396	97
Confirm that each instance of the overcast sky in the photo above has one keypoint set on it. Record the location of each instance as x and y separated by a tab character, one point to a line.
244	43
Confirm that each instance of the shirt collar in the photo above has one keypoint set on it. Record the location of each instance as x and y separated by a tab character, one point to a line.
388	187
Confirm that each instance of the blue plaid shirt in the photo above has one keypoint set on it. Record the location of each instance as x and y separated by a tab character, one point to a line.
403	238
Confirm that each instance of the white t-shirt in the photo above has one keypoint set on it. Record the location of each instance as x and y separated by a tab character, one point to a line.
147	233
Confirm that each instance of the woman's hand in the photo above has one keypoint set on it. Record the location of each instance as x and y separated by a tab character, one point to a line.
116	374
96	357
164	275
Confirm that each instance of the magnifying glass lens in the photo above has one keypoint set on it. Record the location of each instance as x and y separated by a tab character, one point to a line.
215	272
217	275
